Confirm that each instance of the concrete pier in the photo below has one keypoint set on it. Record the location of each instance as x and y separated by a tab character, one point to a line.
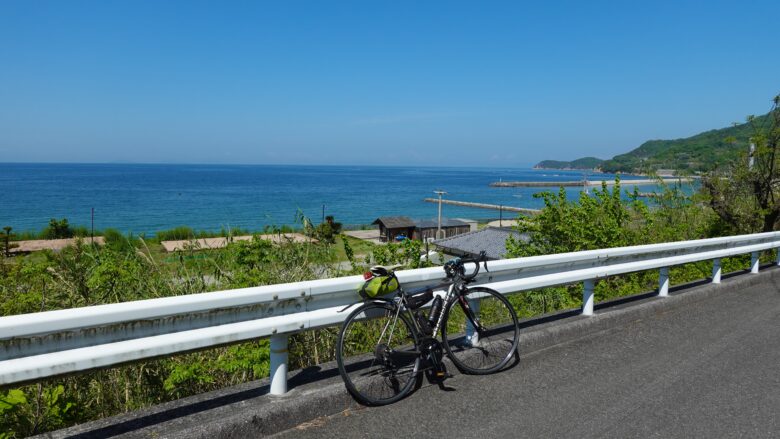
485	206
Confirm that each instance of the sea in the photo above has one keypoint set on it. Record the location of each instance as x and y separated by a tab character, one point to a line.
145	198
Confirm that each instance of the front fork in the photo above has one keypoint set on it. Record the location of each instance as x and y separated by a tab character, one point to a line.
470	309
473	326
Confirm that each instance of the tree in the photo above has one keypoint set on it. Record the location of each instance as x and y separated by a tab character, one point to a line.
58	229
746	196
328	230
598	221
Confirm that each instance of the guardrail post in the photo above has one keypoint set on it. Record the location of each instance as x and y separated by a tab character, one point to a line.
279	364
716	271
778	256
663	282
587	297
754	262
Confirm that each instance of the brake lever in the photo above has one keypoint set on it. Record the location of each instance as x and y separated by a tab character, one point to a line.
483	257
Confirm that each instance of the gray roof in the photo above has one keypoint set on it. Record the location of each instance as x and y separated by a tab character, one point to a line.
395	222
491	239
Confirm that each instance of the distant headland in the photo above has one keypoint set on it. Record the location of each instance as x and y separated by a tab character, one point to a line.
585	163
700	153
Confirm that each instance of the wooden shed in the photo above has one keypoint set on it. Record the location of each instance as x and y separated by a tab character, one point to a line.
425	229
392	226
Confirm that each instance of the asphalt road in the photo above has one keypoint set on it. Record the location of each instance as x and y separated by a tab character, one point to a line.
708	370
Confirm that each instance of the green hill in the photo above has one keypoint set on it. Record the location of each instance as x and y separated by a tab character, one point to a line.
699	153
583	163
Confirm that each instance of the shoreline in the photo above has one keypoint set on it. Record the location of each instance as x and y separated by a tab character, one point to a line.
595	171
599	171
588	183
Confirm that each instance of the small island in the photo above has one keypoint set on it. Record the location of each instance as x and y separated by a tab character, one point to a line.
583	164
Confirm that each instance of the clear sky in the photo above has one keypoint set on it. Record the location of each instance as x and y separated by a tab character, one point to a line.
453	83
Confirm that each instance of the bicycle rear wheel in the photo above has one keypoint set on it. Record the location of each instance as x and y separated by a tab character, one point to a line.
377	354
488	347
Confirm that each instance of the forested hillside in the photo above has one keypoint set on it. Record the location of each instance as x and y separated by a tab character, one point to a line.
699	153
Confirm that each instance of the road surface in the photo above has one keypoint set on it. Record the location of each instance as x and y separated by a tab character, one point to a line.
708	370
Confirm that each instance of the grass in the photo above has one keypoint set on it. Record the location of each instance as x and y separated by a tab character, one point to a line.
194	258
359	247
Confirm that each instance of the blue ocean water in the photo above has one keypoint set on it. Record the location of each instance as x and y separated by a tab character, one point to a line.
148	198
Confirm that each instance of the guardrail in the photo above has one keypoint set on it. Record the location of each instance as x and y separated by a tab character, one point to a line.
46	344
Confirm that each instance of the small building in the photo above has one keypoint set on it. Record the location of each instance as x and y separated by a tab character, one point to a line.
392	226
425	229
473	224
492	240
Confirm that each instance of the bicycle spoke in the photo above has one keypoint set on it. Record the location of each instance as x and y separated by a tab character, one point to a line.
368	354
488	349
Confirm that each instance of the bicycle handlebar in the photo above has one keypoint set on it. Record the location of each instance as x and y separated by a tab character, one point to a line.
455	267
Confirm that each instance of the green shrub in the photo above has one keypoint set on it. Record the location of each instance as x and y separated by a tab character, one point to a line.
57	229
175	234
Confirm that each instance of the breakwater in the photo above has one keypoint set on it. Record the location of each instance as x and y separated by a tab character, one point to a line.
484	206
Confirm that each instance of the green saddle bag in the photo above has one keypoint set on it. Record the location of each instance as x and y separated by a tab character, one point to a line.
378	286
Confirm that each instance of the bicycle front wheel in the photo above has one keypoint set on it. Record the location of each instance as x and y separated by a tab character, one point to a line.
377	354
480	331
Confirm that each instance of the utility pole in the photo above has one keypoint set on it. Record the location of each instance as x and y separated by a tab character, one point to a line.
438	229
752	152
323	213
7	238
92	233
500	216
585	183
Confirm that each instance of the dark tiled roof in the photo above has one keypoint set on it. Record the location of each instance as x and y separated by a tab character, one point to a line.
491	239
433	223
395	222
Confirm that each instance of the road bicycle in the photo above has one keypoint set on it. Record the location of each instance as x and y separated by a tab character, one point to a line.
388	343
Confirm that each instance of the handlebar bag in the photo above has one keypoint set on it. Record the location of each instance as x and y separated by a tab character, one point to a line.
378	286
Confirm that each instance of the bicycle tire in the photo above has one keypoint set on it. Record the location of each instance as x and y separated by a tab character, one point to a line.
492	349
373	355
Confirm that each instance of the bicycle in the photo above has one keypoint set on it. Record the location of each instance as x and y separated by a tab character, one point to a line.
388	343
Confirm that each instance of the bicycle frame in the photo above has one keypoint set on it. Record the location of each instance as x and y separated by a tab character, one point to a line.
455	288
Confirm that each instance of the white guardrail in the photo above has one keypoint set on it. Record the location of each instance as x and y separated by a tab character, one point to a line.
46	344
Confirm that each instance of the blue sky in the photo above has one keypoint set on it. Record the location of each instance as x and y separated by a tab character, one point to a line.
419	83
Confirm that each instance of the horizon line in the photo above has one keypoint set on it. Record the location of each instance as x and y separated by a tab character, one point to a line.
373	165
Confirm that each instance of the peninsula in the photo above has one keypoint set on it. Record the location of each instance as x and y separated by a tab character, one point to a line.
583	164
699	153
